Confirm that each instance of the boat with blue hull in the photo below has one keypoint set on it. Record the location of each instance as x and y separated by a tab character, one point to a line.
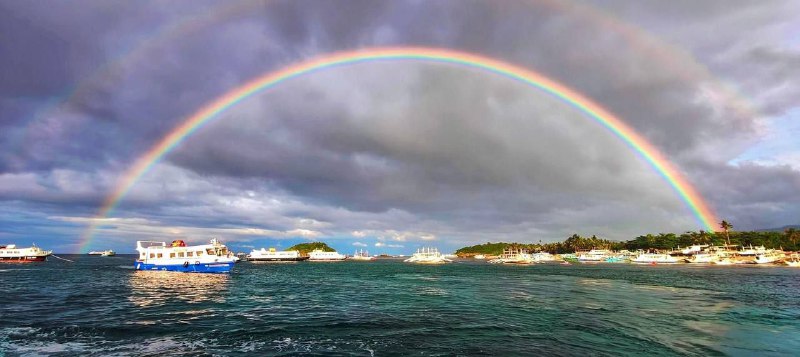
207	258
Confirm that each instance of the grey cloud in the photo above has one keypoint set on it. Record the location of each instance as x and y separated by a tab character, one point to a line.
409	147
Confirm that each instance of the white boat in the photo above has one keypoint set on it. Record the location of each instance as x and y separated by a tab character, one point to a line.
770	256
272	255
319	255
513	256
479	256
793	260
654	258
543	257
705	257
752	251
725	261
361	255
207	258
594	255
12	253
108	253
694	249
427	256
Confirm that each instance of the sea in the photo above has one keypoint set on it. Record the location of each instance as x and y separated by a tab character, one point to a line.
100	306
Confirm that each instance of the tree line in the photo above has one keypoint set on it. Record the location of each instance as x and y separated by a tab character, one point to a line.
787	240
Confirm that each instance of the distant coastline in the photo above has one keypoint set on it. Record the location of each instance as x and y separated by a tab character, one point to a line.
789	240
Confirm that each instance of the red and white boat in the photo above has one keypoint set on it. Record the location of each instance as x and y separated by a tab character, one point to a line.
11	253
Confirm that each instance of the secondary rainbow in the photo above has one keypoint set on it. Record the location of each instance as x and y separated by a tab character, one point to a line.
699	208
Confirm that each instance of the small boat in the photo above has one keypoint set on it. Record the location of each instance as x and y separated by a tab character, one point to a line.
272	255
770	256
319	255
542	257
361	255
10	253
724	261
479	256
427	256
651	258
207	258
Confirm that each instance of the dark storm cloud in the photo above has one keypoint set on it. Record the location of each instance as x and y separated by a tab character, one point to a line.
412	148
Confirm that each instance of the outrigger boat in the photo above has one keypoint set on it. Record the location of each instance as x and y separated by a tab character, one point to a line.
206	258
427	256
653	258
362	255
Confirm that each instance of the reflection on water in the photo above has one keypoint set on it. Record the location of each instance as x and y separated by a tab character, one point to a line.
155	288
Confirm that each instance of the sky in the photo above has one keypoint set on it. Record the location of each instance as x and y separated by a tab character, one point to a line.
391	156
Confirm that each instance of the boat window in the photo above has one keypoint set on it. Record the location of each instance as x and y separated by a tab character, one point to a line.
159	255
199	253
210	251
180	254
190	254
172	255
152	255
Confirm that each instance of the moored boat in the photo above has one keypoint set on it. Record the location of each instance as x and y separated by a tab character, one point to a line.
272	255
770	256
513	255
655	258
594	255
319	255
361	255
427	256
12	253
207	258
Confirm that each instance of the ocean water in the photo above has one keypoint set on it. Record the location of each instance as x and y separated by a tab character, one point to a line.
101	306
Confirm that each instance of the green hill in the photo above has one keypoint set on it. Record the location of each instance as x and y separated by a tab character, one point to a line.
305	248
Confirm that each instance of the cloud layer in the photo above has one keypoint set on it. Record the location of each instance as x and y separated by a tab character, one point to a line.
393	155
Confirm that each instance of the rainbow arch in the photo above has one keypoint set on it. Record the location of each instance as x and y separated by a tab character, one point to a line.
687	193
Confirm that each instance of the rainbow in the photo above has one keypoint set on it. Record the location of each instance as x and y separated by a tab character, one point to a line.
207	113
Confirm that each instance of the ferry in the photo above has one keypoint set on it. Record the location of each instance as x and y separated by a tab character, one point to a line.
362	255
319	255
427	256
272	255
207	258
10	253
104	253
650	258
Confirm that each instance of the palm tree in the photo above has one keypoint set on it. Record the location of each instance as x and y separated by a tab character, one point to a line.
725	227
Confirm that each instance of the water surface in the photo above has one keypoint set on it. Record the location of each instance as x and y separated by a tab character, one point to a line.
101	306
